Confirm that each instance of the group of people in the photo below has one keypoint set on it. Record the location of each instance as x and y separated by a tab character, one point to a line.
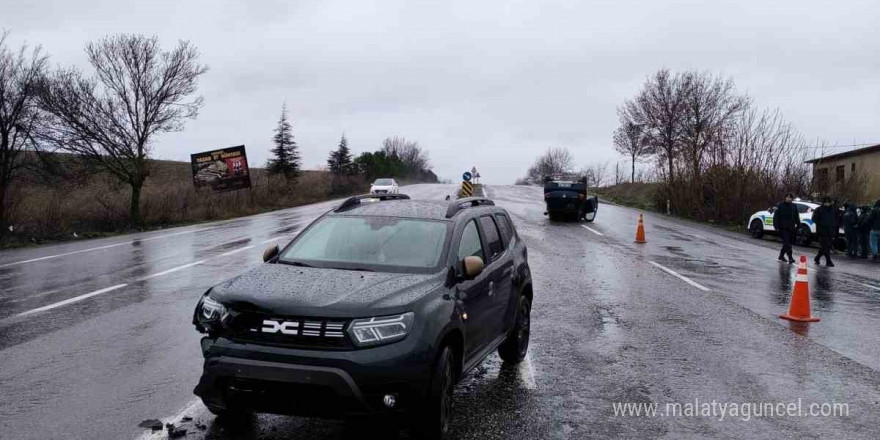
861	227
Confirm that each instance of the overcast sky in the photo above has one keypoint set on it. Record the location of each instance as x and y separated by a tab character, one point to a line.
484	83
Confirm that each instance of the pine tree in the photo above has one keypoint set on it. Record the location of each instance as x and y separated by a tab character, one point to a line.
285	158
339	161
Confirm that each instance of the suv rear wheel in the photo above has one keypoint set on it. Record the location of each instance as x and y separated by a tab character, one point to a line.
436	417
515	347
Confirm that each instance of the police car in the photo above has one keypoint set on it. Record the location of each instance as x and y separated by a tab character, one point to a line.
761	222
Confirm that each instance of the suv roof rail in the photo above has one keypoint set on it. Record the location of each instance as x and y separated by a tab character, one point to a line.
356	200
459	204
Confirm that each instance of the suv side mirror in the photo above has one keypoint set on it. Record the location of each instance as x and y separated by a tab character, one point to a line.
471	267
772	209
270	253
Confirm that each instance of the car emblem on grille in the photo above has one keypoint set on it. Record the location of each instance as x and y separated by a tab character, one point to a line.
284	327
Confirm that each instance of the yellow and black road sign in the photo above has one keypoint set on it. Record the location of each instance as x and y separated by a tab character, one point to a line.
467	189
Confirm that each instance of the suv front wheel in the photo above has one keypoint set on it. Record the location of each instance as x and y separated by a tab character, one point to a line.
515	347
436	417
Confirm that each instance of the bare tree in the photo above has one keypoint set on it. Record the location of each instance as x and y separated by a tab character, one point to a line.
110	121
711	107
20	73
556	161
630	140
660	109
409	153
596	174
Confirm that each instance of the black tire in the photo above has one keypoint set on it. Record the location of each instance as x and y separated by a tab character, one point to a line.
756	228
436	416
803	236
515	347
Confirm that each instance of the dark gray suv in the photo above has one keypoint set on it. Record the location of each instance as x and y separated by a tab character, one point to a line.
378	307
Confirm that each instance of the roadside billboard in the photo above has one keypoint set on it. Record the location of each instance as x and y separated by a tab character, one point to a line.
225	169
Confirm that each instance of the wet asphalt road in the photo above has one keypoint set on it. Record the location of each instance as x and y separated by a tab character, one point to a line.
609	325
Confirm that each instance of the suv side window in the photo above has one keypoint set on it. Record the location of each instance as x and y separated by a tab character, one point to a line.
493	238
470	245
504	227
802	209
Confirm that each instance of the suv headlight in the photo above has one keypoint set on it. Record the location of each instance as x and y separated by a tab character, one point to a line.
370	332
209	314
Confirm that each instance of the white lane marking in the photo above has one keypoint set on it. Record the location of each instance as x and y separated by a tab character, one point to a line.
281	237
71	300
867	285
528	372
32	260
681	277
118	286
592	230
236	250
192	409
172	270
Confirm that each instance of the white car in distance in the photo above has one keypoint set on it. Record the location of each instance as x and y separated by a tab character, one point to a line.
384	186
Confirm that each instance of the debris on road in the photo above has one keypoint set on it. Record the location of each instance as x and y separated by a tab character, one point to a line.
186	419
152	424
174	432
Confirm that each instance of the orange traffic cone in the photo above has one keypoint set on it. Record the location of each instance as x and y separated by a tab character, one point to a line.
640	231
799	308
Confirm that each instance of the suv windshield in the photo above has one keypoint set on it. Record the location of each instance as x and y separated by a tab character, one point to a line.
385	244
383	182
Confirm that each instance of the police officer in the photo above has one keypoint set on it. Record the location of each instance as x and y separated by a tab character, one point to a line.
786	220
825	218
850	229
874	221
864	229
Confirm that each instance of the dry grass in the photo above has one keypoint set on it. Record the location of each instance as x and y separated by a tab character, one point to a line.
99	205
637	195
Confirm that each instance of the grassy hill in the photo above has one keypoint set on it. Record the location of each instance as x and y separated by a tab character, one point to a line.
48	209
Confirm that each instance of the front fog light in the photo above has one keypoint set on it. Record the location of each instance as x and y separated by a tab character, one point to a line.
382	330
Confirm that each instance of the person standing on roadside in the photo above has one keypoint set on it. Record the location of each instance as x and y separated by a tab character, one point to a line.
864	228
850	229
786	220
825	218
874	220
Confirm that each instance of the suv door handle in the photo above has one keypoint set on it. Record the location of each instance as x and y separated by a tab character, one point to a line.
491	288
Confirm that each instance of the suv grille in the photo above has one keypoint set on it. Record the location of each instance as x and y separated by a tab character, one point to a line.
289	331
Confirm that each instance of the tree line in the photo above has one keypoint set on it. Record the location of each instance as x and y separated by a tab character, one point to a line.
69	124
718	156
64	124
398	158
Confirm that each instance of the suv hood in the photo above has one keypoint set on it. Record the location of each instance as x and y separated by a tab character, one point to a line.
307	291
